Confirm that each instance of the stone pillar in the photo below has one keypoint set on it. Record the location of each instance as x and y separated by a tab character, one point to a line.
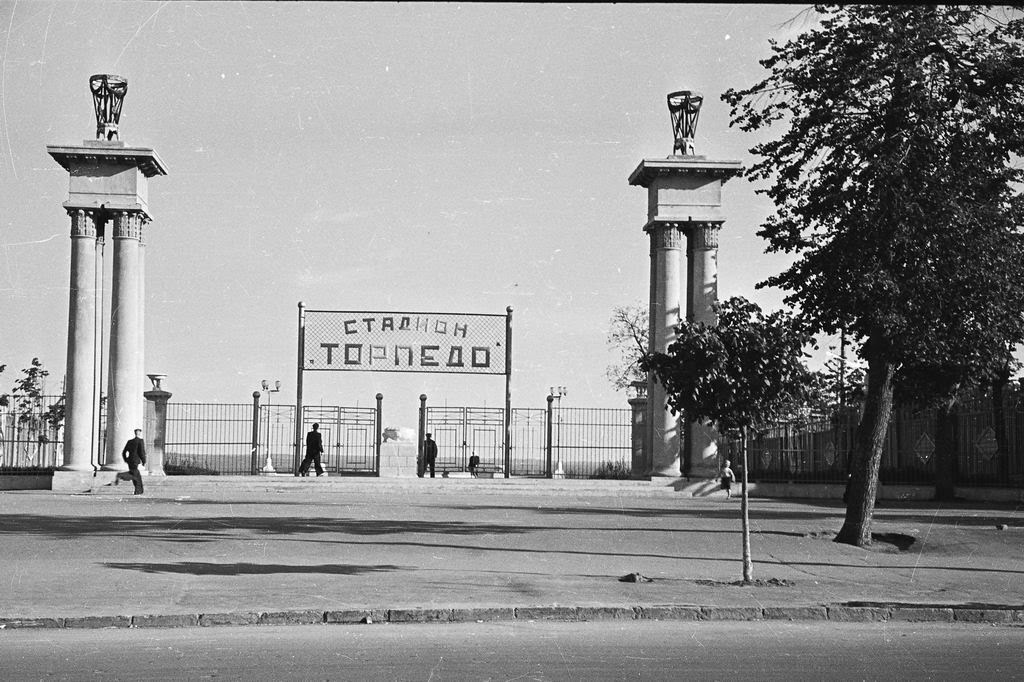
640	465
156	425
684	196
81	356
701	440
140	372
123	405
666	261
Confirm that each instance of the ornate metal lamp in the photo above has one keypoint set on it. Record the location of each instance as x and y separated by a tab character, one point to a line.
684	107
108	93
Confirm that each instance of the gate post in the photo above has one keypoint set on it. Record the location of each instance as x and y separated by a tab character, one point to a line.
640	466
377	429
547	440
255	467
422	435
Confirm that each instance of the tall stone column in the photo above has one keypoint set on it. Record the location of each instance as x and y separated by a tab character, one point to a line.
140	373
701	440
666	262
81	356
123	402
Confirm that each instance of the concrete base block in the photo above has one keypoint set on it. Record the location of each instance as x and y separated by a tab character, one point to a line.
356	616
419	615
81	481
183	620
547	613
670	613
26	481
795	613
245	618
292	618
398	459
983	615
857	614
731	613
94	622
25	623
483	614
920	615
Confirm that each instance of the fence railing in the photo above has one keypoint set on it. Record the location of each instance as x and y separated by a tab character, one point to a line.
31	432
820	450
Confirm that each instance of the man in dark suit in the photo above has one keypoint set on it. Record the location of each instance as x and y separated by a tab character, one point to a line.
134	454
314	448
429	455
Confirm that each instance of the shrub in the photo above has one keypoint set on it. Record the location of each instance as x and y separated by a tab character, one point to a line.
612	470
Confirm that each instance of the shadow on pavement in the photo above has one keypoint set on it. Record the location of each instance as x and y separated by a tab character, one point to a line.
208	568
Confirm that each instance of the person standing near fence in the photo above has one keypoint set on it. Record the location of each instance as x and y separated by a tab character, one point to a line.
314	448
429	454
134	453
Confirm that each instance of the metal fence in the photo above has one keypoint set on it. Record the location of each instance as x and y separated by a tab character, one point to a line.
31	432
209	438
573	442
820	451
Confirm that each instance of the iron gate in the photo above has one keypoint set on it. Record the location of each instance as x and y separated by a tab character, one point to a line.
464	431
351	437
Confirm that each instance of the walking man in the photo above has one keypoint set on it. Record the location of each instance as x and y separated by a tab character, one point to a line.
429	454
314	448
134	453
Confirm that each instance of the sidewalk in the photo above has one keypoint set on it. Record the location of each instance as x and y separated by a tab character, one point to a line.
250	550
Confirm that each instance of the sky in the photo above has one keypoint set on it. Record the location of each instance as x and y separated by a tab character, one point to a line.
386	157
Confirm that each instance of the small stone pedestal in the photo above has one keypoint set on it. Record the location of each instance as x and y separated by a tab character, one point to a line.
156	425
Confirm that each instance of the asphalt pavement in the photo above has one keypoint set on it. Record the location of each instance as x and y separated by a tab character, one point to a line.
236	551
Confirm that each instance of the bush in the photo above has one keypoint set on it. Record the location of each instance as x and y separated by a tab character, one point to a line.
612	470
188	470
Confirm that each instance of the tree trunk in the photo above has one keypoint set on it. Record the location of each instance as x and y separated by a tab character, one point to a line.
867	453
945	450
748	564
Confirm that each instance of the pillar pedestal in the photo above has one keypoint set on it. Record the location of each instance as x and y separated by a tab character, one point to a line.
156	425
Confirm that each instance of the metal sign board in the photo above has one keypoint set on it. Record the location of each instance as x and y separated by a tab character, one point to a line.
374	341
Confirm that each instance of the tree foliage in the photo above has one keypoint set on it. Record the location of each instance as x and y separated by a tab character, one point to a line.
627	335
746	372
895	189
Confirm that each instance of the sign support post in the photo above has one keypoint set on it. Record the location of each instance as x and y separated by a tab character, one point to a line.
298	387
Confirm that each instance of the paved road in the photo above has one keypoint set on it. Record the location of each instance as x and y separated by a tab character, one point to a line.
523	651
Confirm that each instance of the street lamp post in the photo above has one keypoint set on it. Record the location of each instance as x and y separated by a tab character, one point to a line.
557	393
268	468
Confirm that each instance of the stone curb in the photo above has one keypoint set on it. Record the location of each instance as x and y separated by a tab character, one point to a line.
841	613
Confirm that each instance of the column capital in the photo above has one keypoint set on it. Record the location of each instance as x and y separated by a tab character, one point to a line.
84	222
665	234
128	224
703	235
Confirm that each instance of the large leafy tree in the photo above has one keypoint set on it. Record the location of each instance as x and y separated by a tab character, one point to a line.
894	184
743	373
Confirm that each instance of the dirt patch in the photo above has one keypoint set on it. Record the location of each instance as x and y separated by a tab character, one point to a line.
770	582
899	541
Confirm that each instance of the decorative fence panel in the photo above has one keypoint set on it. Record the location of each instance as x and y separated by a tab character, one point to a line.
586	441
210	438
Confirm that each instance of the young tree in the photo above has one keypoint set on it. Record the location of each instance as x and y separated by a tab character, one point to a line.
744	373
894	185
627	335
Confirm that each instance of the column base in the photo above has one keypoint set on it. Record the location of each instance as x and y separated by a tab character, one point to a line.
122	466
80	481
81	468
